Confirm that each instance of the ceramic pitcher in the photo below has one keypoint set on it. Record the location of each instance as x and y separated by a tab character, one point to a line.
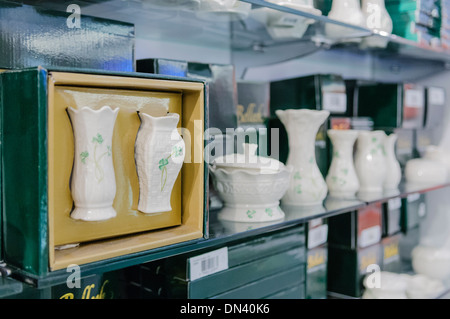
307	186
348	11
370	161
393	169
377	18
159	155
93	184
341	179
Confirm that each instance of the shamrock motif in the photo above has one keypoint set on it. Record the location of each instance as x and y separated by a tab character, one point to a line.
84	155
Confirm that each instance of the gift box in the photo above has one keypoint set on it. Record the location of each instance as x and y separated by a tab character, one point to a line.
357	229
392	105
348	267
391	254
40	233
392	210
316	272
53	38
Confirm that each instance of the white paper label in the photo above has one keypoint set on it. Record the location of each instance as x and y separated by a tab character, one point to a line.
422	210
334	102
413	197
209	263
317	236
394	203
436	96
370	236
414	98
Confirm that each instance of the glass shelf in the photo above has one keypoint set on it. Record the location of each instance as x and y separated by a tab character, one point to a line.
222	233
292	32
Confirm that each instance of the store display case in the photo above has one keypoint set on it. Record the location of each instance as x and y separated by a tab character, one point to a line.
265	45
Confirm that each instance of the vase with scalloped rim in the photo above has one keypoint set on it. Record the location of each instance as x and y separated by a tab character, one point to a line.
159	155
341	179
378	19
348	11
370	161
307	185
93	184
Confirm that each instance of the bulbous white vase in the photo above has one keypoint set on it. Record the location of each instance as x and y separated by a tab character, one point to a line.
159	155
370	161
341	179
348	11
377	18
393	169
93	184
307	186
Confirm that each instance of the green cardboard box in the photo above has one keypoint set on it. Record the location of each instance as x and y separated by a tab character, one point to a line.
414	209
316	272
392	105
357	229
392	210
54	39
268	287
29	99
348	267
391	254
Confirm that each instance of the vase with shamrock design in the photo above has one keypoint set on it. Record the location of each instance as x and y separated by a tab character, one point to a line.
370	161
341	179
159	155
93	184
307	185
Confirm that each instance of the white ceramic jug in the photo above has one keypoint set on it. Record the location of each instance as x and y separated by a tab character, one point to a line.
348	11
159	155
377	18
93	184
370	161
341	179
307	186
393	169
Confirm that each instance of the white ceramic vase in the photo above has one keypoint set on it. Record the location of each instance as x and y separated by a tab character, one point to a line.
393	169
159	155
307	185
370	161
378	19
348	11
341	179
93	184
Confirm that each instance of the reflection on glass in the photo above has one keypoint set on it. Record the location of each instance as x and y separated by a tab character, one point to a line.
231	227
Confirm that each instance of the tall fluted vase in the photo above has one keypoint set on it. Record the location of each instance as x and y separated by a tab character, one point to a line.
341	179
307	186
159	155
377	18
93	184
370	161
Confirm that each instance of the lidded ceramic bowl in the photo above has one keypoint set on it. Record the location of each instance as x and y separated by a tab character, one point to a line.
250	186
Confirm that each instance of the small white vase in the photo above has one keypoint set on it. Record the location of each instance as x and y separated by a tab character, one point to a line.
348	11
307	185
341	179
159	155
370	161
93	184
393	169
377	18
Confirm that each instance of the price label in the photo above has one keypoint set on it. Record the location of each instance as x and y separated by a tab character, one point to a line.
317	236
209	263
394	203
414	98
334	102
370	236
413	197
436	96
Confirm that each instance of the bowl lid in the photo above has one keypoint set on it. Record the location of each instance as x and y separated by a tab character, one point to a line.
248	160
